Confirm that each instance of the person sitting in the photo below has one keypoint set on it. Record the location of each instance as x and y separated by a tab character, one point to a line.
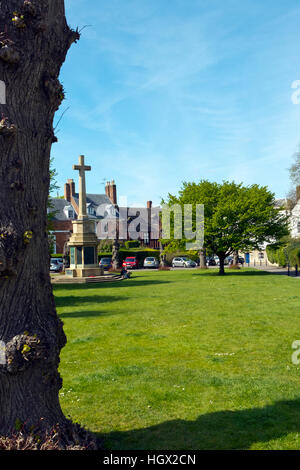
124	273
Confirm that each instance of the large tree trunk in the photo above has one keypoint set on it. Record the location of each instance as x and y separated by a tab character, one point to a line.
34	46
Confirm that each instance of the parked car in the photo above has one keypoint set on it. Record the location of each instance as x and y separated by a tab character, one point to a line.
131	262
211	262
151	262
105	263
55	265
183	262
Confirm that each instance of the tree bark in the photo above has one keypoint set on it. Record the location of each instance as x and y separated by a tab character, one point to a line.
202	257
36	43
162	256
221	257
116	254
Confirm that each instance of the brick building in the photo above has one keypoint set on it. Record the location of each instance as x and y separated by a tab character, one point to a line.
134	223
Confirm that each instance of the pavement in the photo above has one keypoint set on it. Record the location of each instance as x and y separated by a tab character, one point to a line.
278	270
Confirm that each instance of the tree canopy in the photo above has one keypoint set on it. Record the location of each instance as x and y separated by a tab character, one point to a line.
237	217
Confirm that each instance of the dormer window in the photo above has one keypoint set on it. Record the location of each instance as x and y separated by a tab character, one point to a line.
69	212
90	210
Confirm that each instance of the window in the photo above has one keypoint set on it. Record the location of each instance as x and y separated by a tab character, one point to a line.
298	227
70	214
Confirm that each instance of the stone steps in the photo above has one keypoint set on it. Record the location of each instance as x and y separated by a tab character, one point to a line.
84	280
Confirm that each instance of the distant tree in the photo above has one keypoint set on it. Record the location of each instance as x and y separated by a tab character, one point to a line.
294	169
237	217
52	187
294	173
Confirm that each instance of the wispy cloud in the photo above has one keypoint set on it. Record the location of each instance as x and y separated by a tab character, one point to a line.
162	95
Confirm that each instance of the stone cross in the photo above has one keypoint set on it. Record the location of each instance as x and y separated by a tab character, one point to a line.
82	189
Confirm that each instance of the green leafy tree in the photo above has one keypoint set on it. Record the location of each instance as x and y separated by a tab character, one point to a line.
237	217
51	211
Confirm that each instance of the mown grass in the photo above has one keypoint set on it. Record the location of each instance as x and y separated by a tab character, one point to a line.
184	360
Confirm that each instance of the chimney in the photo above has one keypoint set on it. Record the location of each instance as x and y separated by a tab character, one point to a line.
298	193
149	204
111	191
69	190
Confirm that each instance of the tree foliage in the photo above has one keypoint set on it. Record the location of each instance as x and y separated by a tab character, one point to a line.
237	217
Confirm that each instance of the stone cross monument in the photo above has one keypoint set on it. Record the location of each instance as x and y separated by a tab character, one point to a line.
82	187
83	242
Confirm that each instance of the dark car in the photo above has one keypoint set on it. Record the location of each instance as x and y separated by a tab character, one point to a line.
211	262
131	262
105	263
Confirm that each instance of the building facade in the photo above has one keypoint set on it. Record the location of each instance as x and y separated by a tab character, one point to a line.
111	221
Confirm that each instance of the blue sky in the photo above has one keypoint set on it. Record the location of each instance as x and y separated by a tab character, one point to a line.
165	91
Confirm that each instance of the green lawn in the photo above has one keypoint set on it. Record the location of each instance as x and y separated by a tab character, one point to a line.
184	360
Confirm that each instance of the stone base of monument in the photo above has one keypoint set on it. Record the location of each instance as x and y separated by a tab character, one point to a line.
84	272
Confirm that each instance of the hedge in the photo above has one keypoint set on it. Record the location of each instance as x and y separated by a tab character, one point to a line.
132	244
288	253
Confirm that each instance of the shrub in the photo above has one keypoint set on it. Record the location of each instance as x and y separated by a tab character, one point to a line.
282	257
272	254
294	257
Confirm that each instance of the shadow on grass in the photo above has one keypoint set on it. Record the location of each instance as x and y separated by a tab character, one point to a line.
233	272
104	285
87	313
74	301
221	430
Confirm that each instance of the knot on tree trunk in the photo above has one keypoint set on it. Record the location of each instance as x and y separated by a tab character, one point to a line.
29	16
8	53
6	128
54	91
74	36
12	246
8	247
24	349
29	8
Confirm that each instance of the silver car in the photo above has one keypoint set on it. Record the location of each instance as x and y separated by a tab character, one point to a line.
55	266
183	262
151	262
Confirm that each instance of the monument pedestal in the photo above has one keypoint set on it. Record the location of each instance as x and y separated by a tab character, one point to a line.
83	250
